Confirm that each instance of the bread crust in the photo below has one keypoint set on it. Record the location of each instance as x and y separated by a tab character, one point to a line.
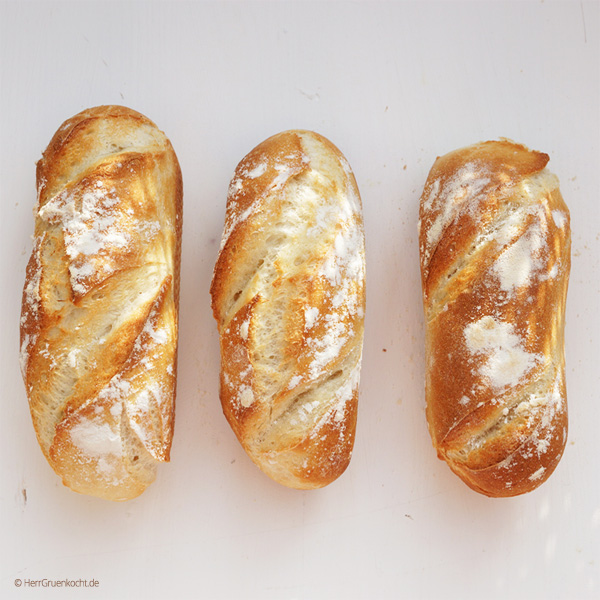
99	320
494	240
288	295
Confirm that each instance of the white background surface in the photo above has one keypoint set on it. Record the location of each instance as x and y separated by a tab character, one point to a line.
393	85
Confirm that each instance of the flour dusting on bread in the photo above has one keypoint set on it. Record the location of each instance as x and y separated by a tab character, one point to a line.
99	311
495	257
288	297
506	362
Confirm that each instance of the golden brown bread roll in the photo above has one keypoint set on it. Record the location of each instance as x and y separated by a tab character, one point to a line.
495	258
99	312
288	295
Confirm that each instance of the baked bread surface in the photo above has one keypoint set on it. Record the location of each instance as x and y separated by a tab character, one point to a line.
288	295
494	239
99	313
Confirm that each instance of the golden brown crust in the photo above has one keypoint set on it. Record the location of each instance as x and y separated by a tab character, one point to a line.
99	313
288	295
495	259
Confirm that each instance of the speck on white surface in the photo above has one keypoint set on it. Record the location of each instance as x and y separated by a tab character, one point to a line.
393	85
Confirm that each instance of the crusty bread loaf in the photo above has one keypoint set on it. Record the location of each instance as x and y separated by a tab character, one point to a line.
99	312
288	295
495	259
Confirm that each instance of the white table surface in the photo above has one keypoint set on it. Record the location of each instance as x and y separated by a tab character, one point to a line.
393	85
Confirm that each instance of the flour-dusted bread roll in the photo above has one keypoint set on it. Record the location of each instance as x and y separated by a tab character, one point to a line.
288	295
495	259
99	313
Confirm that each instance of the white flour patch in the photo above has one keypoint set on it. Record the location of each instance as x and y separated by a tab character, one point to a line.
310	316
506	361
98	441
520	261
246	396
537	475
559	217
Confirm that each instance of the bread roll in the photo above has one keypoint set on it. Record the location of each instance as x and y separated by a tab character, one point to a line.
495	258
288	295
99	312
